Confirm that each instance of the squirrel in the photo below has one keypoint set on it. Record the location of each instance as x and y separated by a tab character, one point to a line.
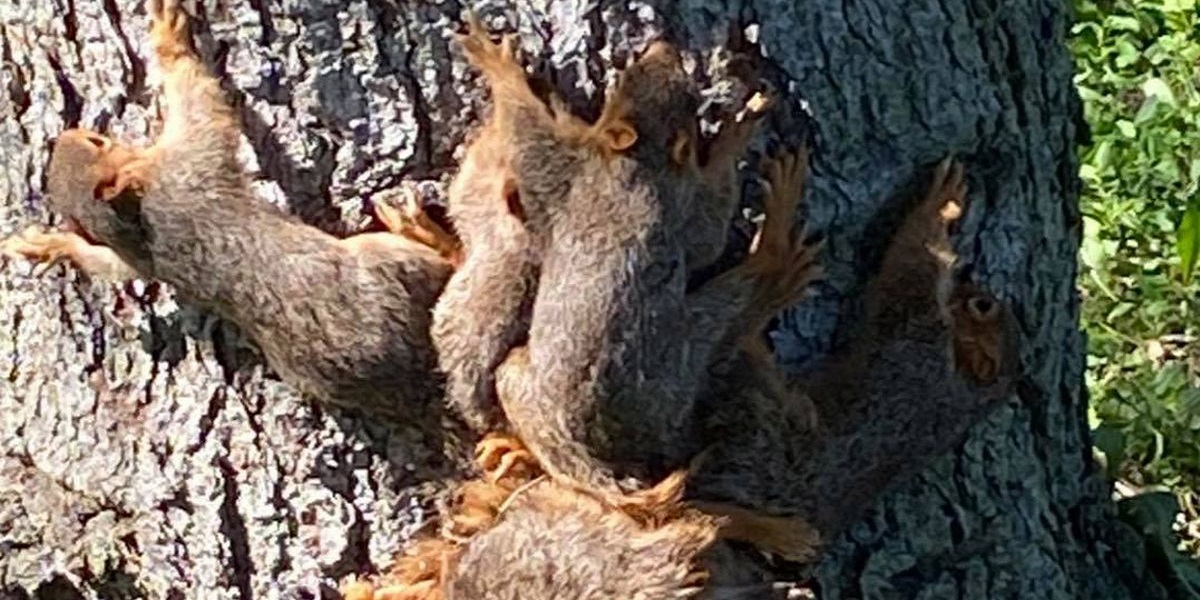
513	534
343	320
934	355
615	355
904	307
485	310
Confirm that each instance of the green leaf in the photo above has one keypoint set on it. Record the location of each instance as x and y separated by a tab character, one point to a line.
1189	408
1147	110
1091	251
1138	76
1103	154
1152	513
1087	94
1122	23
1187	242
1121	310
1127	53
1157	88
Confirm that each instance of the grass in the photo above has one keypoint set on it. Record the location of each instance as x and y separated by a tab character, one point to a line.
1138	72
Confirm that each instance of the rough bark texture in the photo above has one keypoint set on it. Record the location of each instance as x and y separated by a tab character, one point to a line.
137	459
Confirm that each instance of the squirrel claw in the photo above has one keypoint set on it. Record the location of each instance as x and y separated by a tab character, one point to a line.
168	29
354	588
35	245
412	222
361	589
130	177
486	55
498	455
948	190
757	106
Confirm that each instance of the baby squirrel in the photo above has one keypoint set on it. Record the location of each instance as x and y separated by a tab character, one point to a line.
616	355
342	320
933	357
484	311
511	535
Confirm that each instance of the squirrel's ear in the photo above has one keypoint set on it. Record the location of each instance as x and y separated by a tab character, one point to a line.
105	190
512	198
126	179
619	135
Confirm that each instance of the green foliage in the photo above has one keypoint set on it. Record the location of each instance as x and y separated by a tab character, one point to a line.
1139	76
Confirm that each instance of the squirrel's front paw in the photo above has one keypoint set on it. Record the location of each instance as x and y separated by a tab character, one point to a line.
500	455
483	53
168	29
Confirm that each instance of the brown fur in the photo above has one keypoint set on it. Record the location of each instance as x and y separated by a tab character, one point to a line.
509	533
984	334
889	403
504	554
345	321
777	480
411	221
616	353
484	312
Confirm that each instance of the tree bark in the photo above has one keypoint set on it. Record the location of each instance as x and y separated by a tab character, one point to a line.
141	457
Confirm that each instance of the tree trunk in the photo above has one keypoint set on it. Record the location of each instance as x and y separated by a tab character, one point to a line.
140	457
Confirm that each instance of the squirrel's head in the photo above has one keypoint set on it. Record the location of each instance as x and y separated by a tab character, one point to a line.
85	168
986	335
86	185
651	109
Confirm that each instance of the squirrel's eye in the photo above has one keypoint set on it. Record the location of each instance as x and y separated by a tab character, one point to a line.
982	308
97	140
